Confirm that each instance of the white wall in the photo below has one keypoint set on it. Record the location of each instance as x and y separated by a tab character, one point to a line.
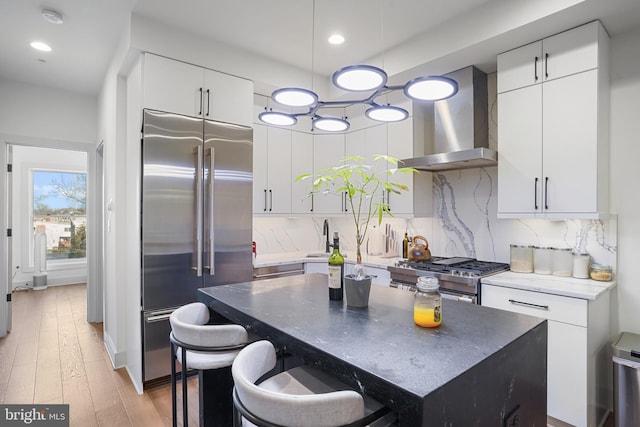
51	114
38	116
25	159
112	107
625	173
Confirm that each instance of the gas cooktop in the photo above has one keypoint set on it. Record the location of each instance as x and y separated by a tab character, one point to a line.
456	266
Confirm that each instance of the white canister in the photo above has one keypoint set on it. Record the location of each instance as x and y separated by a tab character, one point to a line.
562	262
542	260
581	265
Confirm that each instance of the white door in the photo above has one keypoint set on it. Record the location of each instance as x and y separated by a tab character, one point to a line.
173	86
328	151
570	148
5	253
301	163
520	151
279	171
260	184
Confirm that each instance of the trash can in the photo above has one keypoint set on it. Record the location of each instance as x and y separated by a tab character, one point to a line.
626	380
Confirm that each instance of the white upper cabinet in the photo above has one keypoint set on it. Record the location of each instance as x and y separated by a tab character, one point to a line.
561	55
301	163
271	170
553	134
182	88
520	67
402	140
328	151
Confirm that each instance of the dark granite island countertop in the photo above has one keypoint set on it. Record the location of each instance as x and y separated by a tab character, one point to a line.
477	368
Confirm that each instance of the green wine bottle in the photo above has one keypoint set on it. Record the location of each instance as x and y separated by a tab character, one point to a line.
336	271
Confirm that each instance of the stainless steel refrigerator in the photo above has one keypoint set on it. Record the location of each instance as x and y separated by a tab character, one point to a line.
196	219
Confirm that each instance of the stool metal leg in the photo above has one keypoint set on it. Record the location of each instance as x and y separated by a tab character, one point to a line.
174	413
185	417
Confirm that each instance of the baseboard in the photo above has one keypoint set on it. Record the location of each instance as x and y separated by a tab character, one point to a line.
118	359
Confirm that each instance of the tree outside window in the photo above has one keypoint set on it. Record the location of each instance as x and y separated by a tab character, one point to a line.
59	203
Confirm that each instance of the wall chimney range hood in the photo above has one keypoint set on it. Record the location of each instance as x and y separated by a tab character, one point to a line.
459	138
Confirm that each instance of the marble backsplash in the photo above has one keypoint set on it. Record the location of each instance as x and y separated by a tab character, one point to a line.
464	223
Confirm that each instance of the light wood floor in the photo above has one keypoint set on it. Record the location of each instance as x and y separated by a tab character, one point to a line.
53	355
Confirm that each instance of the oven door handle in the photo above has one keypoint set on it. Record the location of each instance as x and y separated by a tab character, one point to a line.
456	297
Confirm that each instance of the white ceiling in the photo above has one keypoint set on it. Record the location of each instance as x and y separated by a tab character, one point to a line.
282	30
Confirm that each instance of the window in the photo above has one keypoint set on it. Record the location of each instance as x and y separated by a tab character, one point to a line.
59	204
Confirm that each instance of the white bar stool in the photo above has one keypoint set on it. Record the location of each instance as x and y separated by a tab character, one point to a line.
199	346
300	397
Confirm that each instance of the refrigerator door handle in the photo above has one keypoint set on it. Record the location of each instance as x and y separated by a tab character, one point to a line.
212	263
158	316
198	245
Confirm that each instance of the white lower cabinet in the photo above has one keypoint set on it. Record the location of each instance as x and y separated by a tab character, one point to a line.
578	356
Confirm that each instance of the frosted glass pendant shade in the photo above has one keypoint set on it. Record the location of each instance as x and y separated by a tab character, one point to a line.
275	118
387	113
359	78
294	97
432	88
330	124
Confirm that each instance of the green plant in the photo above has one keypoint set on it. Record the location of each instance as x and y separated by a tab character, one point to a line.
364	183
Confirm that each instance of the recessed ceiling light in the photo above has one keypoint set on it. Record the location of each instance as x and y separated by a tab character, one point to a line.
52	16
336	39
41	46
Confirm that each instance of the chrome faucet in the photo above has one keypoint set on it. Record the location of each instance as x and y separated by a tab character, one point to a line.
325	232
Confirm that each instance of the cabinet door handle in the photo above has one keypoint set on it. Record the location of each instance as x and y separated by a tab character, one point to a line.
528	304
546	192
208	102
345	202
535	194
312	203
265	199
535	69
270	200
389	200
546	65
200	113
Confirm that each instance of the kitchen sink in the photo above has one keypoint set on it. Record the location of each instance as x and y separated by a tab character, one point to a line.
318	255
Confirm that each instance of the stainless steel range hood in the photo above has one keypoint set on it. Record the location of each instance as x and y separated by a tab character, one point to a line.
459	138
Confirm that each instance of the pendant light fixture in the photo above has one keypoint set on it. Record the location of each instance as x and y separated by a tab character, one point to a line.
355	78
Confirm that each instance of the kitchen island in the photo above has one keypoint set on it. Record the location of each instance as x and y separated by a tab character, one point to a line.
480	367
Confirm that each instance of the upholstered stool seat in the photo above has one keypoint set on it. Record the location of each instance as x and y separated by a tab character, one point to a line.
300	397
197	345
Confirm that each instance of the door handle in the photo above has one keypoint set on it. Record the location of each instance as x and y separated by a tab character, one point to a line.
200	113
265	200
535	69
212	260
535	194
546	65
208	102
198	245
312	203
546	192
528	304
270	200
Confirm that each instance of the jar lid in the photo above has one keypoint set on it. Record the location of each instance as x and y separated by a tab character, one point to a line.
600	267
428	283
522	246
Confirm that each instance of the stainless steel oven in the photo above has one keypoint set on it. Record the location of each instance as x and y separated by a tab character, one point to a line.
459	277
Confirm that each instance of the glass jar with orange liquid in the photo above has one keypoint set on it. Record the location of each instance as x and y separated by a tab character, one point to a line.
427	305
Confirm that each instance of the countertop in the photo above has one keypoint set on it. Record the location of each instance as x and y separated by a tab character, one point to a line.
380	346
564	286
293	257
